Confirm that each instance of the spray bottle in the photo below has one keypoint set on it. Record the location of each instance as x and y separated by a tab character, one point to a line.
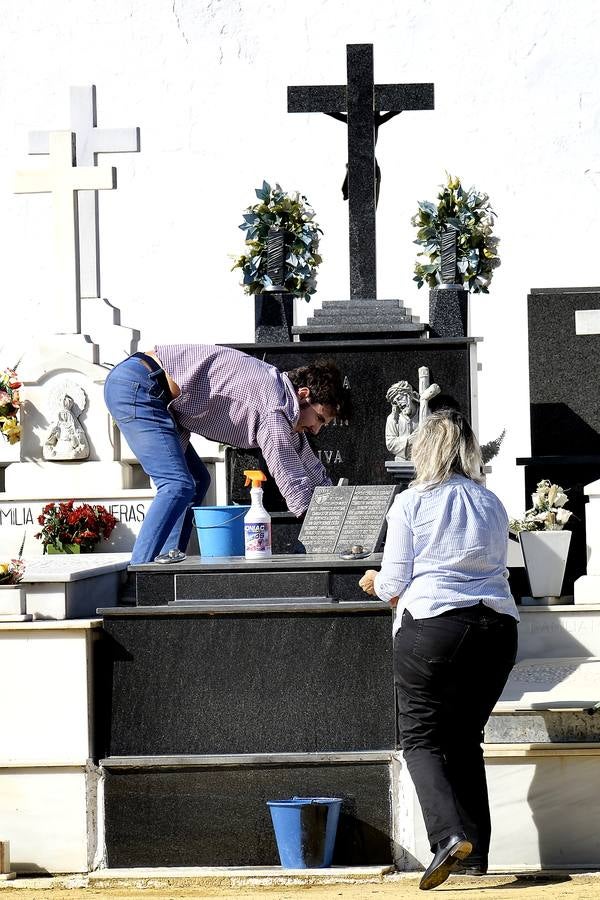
257	521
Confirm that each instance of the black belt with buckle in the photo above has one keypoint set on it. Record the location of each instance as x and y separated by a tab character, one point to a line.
154	366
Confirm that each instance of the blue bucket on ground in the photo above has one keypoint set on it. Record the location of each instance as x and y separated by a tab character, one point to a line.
220	529
305	830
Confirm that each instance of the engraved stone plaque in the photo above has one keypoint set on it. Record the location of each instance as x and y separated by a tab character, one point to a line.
341	517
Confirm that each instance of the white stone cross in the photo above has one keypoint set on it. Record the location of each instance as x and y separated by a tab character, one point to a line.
90	141
63	179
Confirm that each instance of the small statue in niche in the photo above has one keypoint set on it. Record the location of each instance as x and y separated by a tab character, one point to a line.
67	439
409	409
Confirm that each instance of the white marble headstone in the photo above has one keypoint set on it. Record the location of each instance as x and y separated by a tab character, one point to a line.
561	683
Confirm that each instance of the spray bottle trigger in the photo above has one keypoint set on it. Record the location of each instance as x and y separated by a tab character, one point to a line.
255	477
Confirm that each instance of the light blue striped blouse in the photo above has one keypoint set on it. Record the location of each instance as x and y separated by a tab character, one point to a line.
446	548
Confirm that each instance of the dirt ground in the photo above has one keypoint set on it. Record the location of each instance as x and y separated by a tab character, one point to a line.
399	887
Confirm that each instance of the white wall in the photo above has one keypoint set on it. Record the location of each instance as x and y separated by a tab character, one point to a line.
517	114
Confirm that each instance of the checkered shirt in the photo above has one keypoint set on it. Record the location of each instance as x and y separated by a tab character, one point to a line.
232	398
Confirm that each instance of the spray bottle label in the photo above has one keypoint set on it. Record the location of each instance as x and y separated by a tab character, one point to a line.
257	537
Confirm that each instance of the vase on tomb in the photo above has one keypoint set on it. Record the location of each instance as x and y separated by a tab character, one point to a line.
66	548
273	318
274	306
449	301
545	557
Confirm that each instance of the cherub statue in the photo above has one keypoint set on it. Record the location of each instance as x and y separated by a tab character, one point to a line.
409	409
66	439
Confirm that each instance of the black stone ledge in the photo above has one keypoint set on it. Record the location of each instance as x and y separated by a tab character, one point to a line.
371	327
565	290
367	607
562	460
278	562
358	344
242	760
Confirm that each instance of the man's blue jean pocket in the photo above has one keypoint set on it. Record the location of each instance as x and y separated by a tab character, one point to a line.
120	396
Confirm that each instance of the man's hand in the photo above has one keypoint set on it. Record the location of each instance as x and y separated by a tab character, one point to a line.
367	582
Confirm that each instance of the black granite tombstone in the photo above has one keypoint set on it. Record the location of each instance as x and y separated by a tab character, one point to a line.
563	372
564	349
357	450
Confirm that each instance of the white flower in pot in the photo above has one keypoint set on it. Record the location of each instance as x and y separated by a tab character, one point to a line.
544	543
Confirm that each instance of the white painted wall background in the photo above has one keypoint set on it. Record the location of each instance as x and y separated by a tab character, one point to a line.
517	114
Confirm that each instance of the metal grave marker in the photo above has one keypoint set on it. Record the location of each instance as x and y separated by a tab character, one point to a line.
341	517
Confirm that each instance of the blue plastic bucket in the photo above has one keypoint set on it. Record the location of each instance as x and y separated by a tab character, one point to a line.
220	529
305	830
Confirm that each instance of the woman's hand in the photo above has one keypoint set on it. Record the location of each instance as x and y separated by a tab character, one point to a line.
367	582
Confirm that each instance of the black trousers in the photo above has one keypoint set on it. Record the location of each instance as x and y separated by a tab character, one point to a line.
449	672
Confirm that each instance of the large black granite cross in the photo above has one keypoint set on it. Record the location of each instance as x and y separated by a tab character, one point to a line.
364	106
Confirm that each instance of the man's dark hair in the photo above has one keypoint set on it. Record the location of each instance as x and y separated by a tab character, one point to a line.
326	386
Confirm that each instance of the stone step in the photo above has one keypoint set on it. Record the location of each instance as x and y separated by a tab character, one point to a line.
543	727
375	301
337	328
340	318
358	309
258	602
234	877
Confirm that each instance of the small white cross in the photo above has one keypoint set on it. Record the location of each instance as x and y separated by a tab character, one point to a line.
63	179
90	141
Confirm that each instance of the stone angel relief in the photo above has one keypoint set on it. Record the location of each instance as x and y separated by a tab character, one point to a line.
409	409
67	438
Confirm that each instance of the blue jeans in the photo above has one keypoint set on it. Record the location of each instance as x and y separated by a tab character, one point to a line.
137	399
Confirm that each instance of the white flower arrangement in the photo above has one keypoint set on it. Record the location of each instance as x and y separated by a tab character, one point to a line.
547	512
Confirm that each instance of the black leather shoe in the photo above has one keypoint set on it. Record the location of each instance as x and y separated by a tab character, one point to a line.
470	868
447	856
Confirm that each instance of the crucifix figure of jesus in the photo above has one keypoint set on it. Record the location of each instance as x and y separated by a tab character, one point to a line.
363	106
63	179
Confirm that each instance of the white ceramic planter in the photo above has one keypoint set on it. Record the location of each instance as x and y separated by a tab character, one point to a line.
545	556
12	600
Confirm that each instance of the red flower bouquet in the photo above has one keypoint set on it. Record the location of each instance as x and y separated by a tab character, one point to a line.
84	525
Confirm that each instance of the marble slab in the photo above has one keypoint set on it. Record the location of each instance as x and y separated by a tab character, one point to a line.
66	567
542	802
45	813
586	590
47	710
560	683
559	631
592	527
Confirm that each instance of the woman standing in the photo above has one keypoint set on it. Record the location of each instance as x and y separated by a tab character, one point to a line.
455	635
